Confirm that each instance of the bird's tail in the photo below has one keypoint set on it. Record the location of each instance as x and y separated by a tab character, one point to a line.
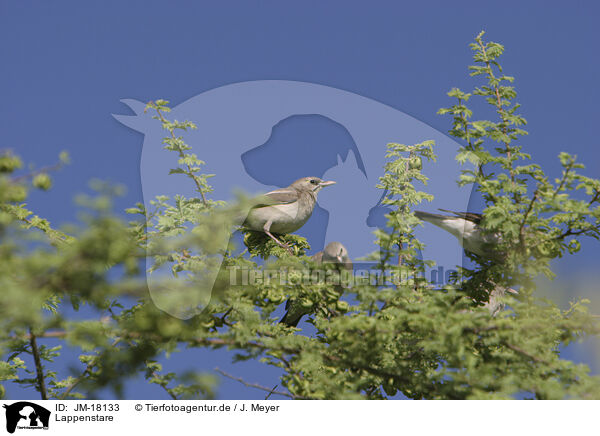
290	320
431	217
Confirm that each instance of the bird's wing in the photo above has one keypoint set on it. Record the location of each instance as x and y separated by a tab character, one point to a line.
430	216
470	216
318	257
293	315
278	196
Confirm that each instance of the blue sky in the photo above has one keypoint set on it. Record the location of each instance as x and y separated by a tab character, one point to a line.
66	65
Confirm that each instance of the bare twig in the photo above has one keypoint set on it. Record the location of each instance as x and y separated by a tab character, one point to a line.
85	372
257	386
272	390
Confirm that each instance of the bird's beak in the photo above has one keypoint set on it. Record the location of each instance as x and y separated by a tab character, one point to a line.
326	183
512	291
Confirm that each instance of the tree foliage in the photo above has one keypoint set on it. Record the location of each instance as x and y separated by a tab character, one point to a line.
391	333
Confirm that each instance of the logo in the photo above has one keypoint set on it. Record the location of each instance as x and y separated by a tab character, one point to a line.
26	415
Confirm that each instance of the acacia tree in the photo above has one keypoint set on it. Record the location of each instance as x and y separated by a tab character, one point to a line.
399	335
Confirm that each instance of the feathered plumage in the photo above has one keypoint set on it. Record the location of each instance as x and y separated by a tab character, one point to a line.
466	227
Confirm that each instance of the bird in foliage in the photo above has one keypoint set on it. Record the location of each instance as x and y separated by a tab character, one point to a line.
285	210
334	253
467	228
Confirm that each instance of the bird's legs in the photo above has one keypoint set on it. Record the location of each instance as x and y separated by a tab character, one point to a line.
266	229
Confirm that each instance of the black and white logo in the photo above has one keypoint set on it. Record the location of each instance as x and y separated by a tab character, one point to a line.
26	415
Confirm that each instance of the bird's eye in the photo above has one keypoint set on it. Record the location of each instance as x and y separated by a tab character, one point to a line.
314	181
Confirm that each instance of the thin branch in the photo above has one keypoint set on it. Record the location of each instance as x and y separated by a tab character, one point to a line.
133	335
39	369
465	124
261	346
34	173
285	362
85	372
181	154
529	209
262	388
272	390
562	181
197	342
78	380
594	198
477	330
571	232
224	317
500	109
167	390
525	353
51	334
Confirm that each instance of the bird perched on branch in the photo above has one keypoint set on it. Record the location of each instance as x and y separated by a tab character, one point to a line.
466	226
335	253
285	210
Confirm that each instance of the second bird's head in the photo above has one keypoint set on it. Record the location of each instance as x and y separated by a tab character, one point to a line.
335	252
311	184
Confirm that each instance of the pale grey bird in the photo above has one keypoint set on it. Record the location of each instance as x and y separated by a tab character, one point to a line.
285	210
466	227
334	252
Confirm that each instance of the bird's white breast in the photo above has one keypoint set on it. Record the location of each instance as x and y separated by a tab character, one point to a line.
285	218
458	227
